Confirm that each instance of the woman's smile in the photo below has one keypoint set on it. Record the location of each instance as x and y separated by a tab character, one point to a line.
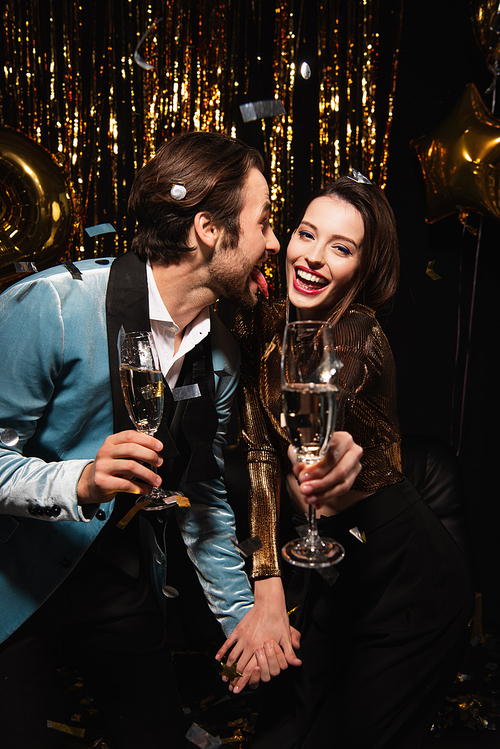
309	282
323	255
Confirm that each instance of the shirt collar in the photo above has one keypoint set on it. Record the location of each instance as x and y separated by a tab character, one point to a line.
159	312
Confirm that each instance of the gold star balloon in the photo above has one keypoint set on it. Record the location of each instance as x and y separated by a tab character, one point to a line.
460	161
485	19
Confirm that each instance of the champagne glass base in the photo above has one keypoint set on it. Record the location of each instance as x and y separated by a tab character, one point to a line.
313	553
158	500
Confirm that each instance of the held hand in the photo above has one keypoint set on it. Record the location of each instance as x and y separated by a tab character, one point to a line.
330	478
263	642
117	463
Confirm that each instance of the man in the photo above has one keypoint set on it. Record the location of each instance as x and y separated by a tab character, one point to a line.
68	574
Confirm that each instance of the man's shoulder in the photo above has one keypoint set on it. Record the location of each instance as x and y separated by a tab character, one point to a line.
63	277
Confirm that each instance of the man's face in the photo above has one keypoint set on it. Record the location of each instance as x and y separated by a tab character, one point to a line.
235	270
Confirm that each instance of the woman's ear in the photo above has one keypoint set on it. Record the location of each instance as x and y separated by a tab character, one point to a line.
205	229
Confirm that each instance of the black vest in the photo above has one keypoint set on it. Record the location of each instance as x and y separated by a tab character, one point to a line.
188	426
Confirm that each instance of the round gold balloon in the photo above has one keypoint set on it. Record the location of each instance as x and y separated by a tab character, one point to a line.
460	161
485	18
36	212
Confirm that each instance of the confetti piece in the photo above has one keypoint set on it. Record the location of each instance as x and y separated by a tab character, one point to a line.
230	671
430	271
71	268
25	268
201	738
305	71
66	729
9	437
360	535
137	56
248	547
98	229
256	110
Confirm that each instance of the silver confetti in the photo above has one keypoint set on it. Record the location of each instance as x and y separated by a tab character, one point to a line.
137	56
9	437
255	110
305	71
201	738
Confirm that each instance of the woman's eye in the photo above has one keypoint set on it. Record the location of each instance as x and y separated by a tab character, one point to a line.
305	234
341	248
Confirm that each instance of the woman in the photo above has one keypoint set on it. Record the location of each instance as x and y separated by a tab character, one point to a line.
380	646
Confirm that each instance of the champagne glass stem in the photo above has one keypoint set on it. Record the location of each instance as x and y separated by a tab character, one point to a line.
313	523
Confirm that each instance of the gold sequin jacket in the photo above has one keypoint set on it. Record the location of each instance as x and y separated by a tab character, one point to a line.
366	409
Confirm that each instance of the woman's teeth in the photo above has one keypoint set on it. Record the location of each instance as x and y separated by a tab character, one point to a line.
310	279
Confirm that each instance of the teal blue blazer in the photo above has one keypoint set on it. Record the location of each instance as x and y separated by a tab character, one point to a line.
55	391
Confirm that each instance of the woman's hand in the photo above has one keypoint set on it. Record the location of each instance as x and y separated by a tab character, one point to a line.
327	483
263	643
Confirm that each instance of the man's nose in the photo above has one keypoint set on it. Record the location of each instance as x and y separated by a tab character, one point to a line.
272	244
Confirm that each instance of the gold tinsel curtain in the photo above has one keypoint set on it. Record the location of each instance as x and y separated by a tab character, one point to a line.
70	82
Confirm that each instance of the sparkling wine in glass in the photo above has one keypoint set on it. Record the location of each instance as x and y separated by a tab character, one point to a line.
309	373
143	386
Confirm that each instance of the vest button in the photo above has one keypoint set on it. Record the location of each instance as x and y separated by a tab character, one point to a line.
100	515
65	563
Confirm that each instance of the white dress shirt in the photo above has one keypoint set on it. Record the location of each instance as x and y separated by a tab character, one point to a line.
164	330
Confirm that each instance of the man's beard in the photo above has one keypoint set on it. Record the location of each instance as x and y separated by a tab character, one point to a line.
239	294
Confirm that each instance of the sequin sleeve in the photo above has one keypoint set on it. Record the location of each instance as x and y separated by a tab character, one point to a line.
264	439
367	398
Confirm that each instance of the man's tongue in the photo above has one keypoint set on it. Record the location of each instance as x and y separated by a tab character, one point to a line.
261	282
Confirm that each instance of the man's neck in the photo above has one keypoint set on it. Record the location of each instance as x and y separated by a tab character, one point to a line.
181	293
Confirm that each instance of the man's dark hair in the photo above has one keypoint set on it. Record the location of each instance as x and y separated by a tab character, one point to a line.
213	169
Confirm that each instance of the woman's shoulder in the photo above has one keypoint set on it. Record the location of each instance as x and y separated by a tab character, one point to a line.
358	323
362	313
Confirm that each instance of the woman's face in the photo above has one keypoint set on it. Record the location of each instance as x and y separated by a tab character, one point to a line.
323	255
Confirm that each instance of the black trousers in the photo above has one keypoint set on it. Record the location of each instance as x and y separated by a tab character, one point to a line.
109	626
381	646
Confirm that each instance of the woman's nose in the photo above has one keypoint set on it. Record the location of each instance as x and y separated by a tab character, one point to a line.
315	254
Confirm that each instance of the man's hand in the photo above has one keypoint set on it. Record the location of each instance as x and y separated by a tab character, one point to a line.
262	645
326	481
117	463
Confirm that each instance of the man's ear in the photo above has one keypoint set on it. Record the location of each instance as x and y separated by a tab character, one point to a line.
205	229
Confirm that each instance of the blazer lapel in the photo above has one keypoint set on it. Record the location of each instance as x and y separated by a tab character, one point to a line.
127	306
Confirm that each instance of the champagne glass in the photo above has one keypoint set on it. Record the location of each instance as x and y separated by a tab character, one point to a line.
309	371
143	386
